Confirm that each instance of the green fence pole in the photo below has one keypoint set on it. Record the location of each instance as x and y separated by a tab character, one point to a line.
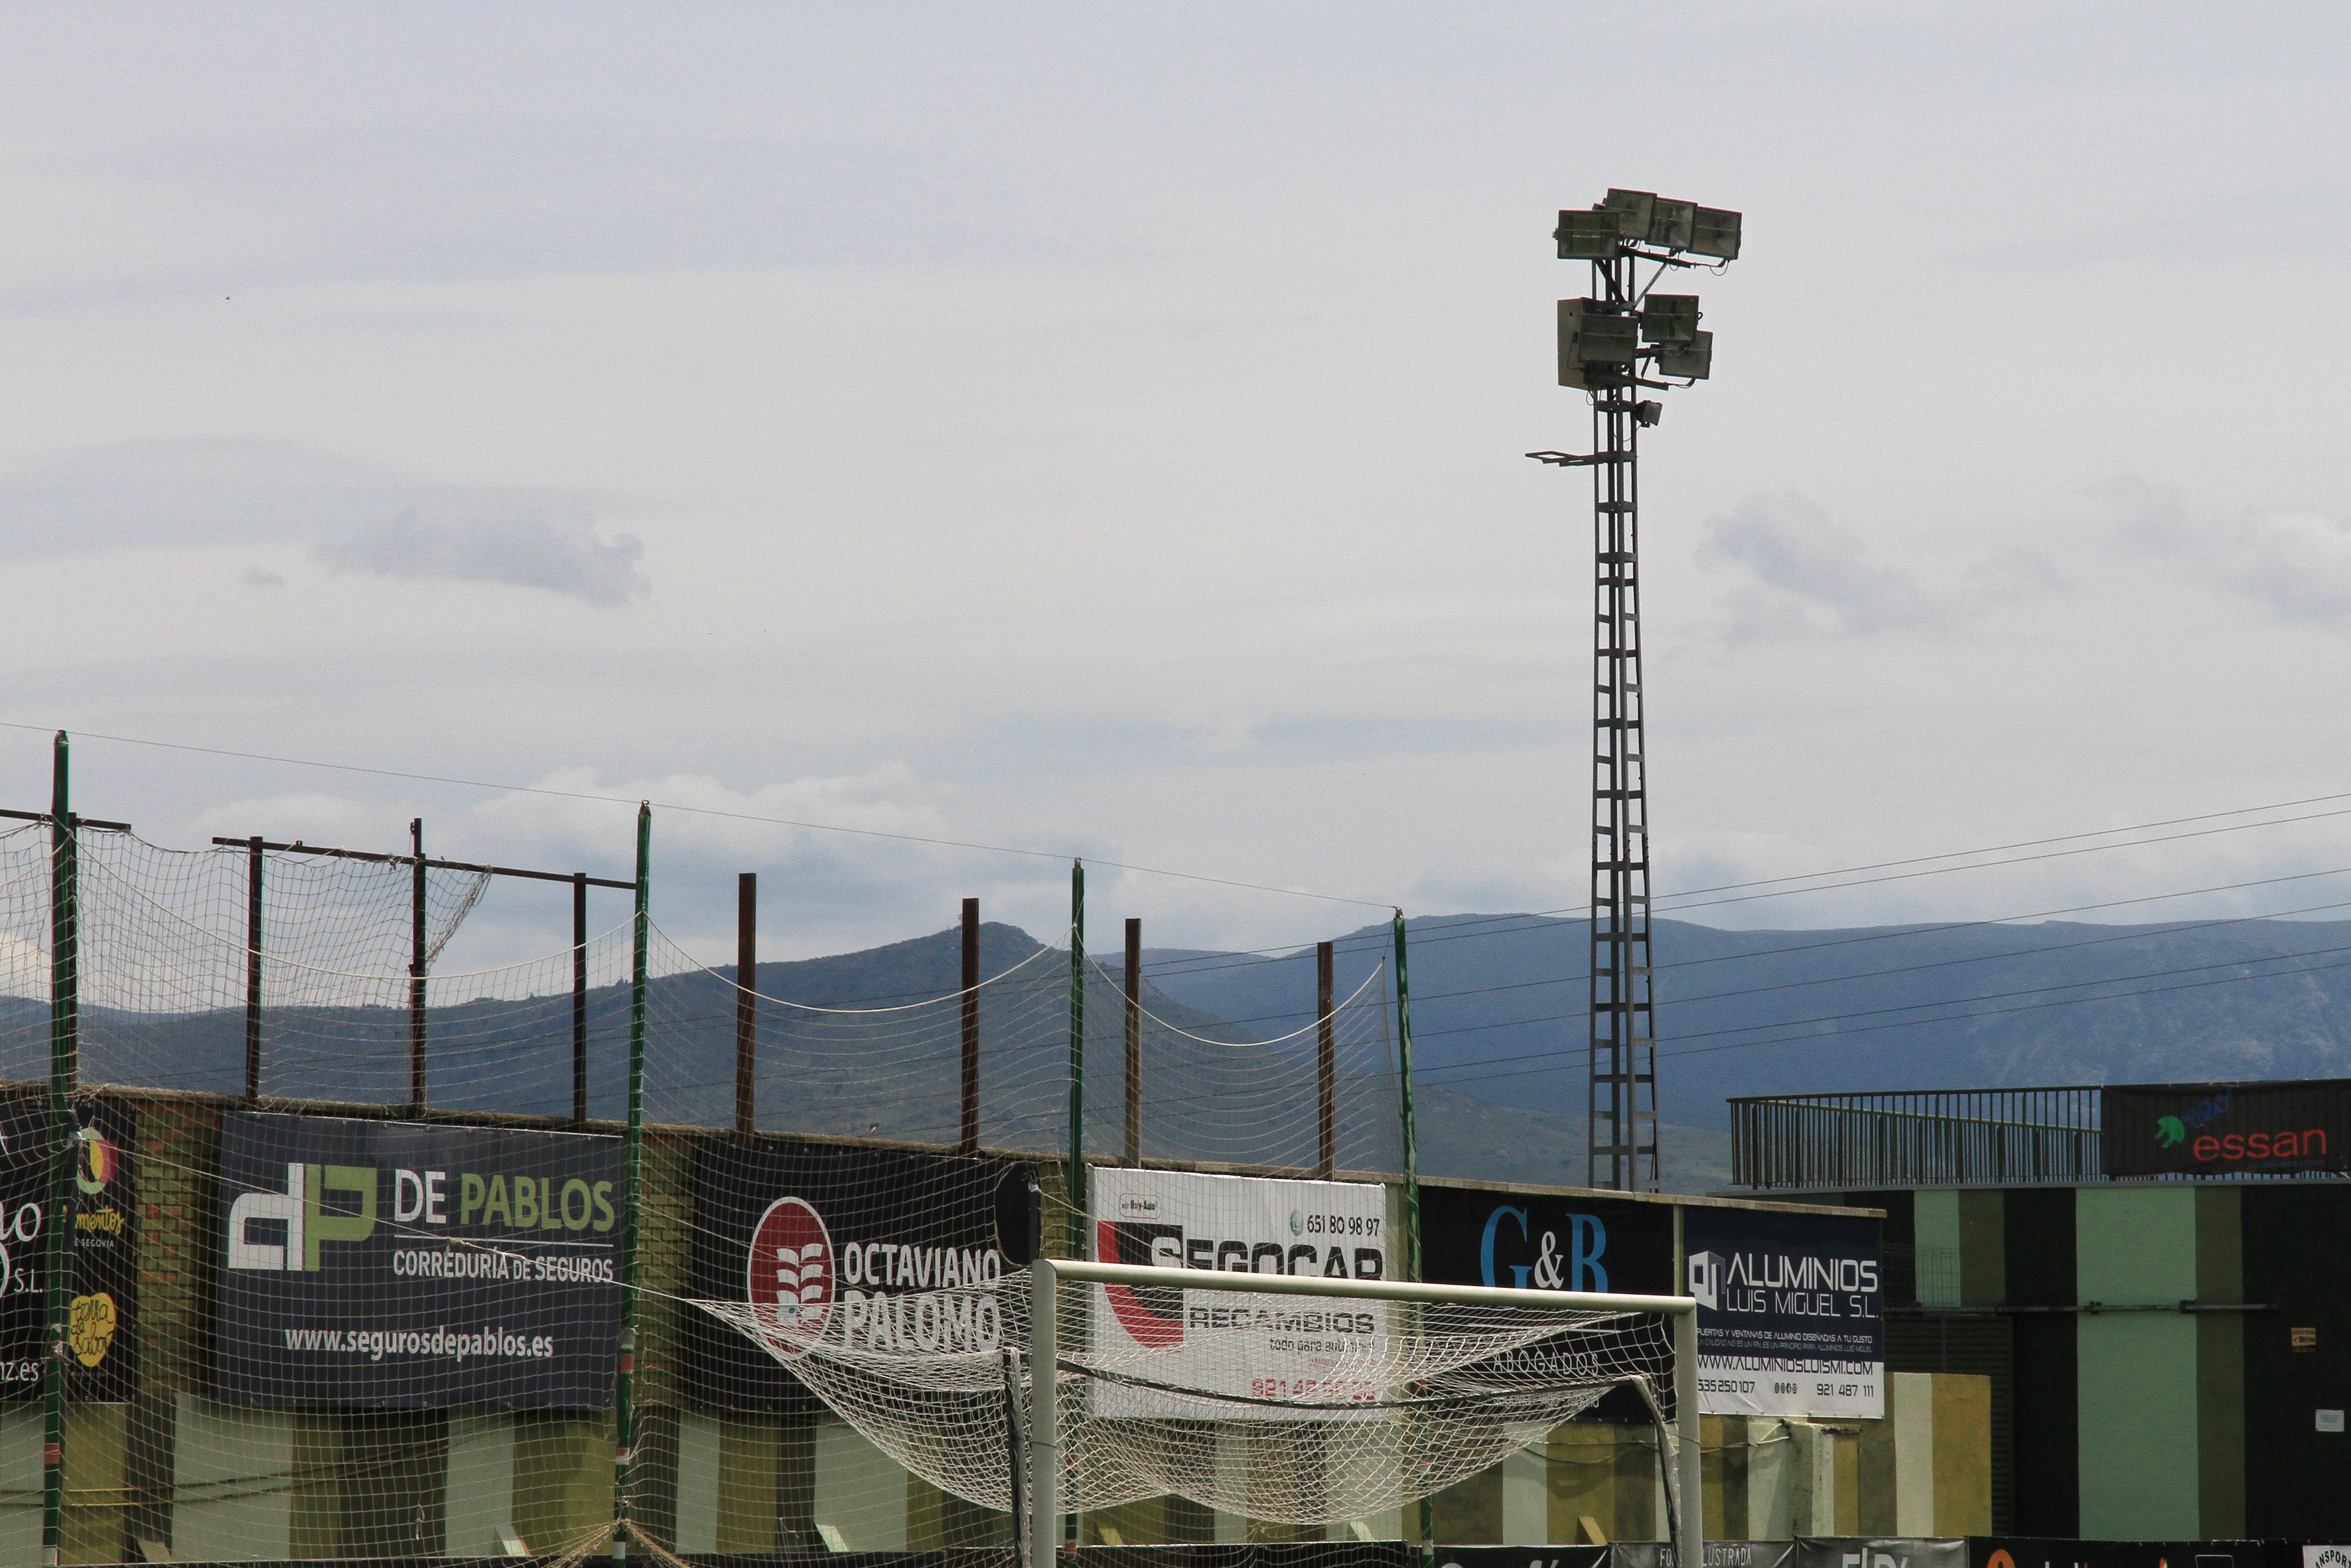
1411	1165
1077	1183
624	1387
1411	1135
65	1028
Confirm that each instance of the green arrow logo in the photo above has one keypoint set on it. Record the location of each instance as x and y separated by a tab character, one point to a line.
2170	1131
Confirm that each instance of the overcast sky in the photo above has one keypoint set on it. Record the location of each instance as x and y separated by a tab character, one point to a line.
1099	428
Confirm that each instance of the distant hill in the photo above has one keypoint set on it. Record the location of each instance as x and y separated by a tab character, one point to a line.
1865	1007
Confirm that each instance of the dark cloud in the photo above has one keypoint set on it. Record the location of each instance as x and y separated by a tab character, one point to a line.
1808	575
2294	565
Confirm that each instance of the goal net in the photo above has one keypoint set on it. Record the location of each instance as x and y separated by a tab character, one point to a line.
1294	1395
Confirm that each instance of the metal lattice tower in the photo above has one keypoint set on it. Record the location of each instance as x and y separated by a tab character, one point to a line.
1621	1107
1605	342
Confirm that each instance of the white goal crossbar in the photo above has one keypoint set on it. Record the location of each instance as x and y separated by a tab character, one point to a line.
1045	1276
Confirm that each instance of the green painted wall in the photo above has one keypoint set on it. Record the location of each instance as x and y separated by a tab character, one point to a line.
2137	1372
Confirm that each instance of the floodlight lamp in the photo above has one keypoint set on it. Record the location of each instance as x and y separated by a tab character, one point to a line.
1670	223
1715	233
1593	344
1646	412
1694	360
1633	210
1668	317
1587	236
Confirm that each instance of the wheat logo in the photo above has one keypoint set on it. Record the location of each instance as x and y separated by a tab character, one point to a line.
790	1274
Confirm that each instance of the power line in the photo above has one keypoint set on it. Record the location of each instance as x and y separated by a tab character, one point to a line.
1435	1073
1470	928
1886	934
1988	1012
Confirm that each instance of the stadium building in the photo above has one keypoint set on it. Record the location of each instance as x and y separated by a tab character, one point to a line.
2153	1279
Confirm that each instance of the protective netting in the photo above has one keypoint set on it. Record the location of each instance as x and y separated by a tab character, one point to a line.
877	1053
344	1238
1400	1401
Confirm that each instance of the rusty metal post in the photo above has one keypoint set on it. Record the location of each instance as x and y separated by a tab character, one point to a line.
969	1142
747	1007
1326	1062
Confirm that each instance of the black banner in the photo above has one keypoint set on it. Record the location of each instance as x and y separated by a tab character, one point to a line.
2225	1129
1791	1312
907	1245
1541	1556
1477	1236
102	1222
399	1265
2022	1551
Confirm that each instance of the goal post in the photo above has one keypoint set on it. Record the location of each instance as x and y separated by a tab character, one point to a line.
1044	1446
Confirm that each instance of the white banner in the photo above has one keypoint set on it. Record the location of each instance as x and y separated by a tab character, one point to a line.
1255	1347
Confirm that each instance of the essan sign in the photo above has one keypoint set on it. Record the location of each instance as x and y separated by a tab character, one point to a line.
2225	1129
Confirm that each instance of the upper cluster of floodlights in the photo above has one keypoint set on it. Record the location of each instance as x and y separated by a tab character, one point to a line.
1602	342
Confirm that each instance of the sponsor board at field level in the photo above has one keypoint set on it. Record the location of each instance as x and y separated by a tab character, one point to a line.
863	1251
101	1227
1282	1348
1791	1312
398	1265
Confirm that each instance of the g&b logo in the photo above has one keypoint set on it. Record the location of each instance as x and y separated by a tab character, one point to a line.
790	1274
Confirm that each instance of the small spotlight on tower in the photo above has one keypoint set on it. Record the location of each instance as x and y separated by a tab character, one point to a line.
1633	211
1715	233
1668	317
1671	223
1587	236
1694	358
1596	347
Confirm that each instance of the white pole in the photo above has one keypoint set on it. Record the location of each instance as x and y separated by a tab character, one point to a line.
1044	1414
1689	1500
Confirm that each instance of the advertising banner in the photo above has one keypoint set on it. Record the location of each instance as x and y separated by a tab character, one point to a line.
1256	1347
1539	1556
2224	1129
1791	1313
102	1226
1531	1241
395	1264
2025	1552
882	1249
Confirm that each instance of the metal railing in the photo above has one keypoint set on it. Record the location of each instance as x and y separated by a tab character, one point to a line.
1916	1137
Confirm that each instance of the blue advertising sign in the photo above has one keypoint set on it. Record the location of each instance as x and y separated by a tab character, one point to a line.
1544	1242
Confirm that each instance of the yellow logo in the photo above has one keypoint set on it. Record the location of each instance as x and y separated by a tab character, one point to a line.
92	1329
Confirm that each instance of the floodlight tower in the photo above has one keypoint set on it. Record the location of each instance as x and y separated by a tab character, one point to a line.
1621	340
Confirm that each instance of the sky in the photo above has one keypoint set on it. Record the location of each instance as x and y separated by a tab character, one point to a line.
1097	431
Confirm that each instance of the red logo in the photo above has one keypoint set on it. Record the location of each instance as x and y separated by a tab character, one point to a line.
1152	1316
790	1276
